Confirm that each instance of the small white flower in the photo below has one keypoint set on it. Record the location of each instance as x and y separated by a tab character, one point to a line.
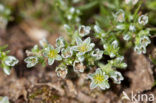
143	49
145	40
69	17
84	30
11	61
66	53
99	79
110	50
132	28
61	71
115	43
137	49
52	54
78	66
143	20
72	10
131	1
2	8
31	61
77	19
116	76
120	16
60	42
97	54
83	46
140	49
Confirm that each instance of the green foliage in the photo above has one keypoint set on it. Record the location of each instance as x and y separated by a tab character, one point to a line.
7	62
4	15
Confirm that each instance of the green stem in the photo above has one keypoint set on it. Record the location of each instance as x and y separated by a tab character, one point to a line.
88	6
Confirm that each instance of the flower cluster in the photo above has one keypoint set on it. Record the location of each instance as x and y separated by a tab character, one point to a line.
142	41
4	16
7	62
40	55
132	29
110	44
87	46
68	53
81	54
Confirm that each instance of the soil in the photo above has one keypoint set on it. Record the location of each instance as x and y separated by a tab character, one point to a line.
41	84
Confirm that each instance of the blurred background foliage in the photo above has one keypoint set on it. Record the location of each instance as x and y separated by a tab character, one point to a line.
49	14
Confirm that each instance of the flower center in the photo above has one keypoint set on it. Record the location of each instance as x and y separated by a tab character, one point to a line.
98	78
53	53
83	47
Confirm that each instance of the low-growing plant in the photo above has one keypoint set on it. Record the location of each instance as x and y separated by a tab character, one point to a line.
7	62
98	47
83	52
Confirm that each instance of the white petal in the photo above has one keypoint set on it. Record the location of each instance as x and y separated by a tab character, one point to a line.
78	41
93	85
7	70
50	61
97	29
58	57
104	85
87	41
